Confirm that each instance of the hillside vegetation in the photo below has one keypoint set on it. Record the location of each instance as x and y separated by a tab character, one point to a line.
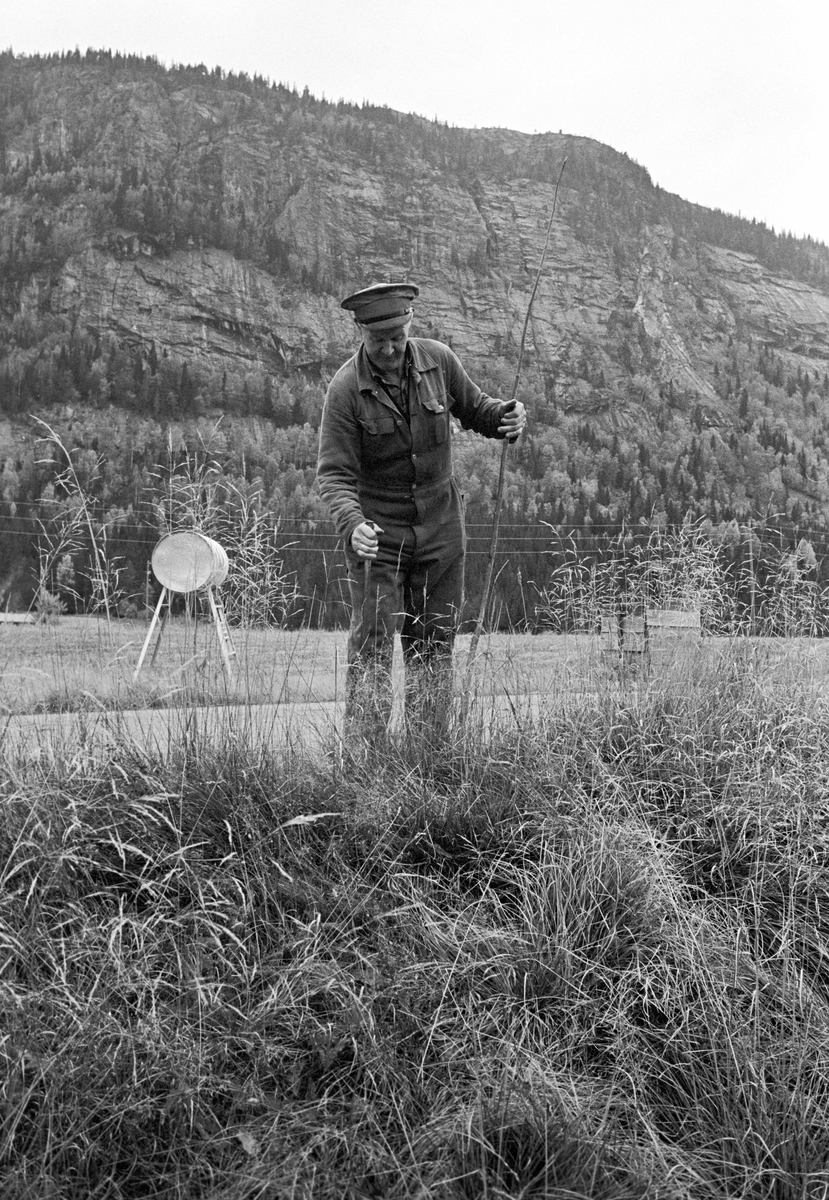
173	246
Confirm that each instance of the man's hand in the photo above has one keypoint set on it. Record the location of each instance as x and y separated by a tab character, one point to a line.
513	419
364	540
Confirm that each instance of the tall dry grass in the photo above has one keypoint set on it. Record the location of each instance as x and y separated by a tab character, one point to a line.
581	952
771	591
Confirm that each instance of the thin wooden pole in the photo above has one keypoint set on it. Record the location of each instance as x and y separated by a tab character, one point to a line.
751	580
496	520
222	631
150	632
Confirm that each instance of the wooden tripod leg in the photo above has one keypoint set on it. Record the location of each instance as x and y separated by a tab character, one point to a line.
150	633
222	632
164	620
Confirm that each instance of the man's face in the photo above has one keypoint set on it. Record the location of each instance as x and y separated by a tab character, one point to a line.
386	347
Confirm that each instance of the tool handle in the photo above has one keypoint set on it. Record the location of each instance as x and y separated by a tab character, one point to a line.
510	407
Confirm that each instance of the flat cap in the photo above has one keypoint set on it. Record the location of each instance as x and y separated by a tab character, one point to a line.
383	305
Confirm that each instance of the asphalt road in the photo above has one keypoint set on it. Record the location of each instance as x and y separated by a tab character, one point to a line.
311	727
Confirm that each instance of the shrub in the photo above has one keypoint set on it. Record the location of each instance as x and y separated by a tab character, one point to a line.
49	607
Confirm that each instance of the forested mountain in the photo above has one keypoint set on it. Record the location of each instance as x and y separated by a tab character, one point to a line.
174	244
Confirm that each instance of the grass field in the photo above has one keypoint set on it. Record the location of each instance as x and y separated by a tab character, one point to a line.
582	955
85	664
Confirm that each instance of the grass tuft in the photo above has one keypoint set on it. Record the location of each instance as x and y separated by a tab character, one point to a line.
579	952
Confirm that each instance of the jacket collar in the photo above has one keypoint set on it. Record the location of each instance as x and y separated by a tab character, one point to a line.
420	360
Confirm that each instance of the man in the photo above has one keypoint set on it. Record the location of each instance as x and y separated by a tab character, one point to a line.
385	472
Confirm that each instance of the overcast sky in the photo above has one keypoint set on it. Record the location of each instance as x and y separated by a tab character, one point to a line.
725	102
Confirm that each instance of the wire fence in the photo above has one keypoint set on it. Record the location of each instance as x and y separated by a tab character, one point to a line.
766	575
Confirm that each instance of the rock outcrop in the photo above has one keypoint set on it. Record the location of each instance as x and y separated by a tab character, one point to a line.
216	221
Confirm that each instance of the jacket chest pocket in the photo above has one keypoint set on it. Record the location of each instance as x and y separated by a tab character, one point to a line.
377	438
435	427
433	416
440	429
376	426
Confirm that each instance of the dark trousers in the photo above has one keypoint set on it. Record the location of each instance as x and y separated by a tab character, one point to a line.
415	585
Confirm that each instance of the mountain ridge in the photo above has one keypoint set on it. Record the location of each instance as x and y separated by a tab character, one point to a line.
174	243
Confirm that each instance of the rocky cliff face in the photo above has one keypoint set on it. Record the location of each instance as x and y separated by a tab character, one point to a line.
667	316
206	304
217	222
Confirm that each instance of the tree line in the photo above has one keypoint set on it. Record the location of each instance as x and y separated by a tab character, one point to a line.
609	196
568	481
128	411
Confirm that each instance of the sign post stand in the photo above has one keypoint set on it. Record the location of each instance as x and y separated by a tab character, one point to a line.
150	633
189	562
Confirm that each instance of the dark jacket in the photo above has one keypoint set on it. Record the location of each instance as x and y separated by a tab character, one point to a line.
373	464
